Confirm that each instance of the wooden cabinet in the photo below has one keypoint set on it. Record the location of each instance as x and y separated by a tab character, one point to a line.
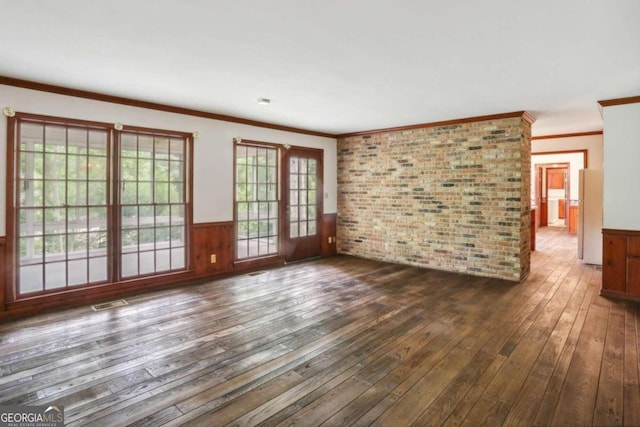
621	263
574	217
561	208
555	178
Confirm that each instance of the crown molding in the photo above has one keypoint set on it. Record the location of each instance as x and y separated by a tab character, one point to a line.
96	96
567	135
619	101
523	114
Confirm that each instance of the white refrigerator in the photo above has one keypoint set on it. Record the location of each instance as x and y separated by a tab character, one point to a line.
590	216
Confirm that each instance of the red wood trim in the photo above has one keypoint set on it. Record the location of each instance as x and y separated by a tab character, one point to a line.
256	263
619	101
9	250
3	271
619	295
213	224
329	230
66	121
585	154
96	96
567	135
621	232
526	116
78	297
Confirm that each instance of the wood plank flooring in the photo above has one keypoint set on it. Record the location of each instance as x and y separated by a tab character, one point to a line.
342	341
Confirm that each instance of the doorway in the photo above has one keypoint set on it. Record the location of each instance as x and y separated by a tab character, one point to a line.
557	194
303	203
278	201
549	195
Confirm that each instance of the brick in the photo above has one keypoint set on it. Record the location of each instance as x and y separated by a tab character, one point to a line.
450	197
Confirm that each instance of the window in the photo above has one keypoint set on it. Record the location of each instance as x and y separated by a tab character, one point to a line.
93	205
152	203
62	206
256	195
302	197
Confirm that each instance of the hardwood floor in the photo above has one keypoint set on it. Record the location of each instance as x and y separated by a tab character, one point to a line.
342	341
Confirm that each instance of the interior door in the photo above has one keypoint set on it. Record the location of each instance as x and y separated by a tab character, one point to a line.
303	203
542	198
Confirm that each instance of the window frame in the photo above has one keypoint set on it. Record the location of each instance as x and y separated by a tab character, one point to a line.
113	206
278	201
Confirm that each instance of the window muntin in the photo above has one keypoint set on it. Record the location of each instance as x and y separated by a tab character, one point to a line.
302	197
153	201
69	182
257	201
62	206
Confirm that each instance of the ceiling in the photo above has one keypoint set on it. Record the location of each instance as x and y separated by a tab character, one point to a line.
337	66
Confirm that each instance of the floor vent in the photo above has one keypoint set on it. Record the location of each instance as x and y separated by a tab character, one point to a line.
109	305
256	273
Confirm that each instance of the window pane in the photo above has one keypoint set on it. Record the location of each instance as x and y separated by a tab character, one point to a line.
129	193
176	193
55	221
177	258
161	148
98	269
77	270
31	135
177	149
55	275
31	279
77	140
77	168
145	193
97	168
163	260
64	204
97	193
97	243
98	219
129	264
55	166
55	247
147	262
161	192
145	147
98	142
145	170
128	145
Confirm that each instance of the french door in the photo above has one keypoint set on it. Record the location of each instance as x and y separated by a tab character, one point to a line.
278	201
303	203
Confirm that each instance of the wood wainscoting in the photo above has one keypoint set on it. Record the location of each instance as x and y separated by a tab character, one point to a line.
213	244
3	271
621	263
212	255
328	233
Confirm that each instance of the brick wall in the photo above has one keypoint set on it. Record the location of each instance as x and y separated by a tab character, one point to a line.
451	197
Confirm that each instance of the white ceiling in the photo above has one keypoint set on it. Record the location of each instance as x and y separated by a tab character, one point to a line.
337	66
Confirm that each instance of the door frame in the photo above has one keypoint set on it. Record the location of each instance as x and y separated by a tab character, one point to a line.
543	199
287	247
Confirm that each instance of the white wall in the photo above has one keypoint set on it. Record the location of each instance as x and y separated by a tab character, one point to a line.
213	150
575	164
622	167
592	143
